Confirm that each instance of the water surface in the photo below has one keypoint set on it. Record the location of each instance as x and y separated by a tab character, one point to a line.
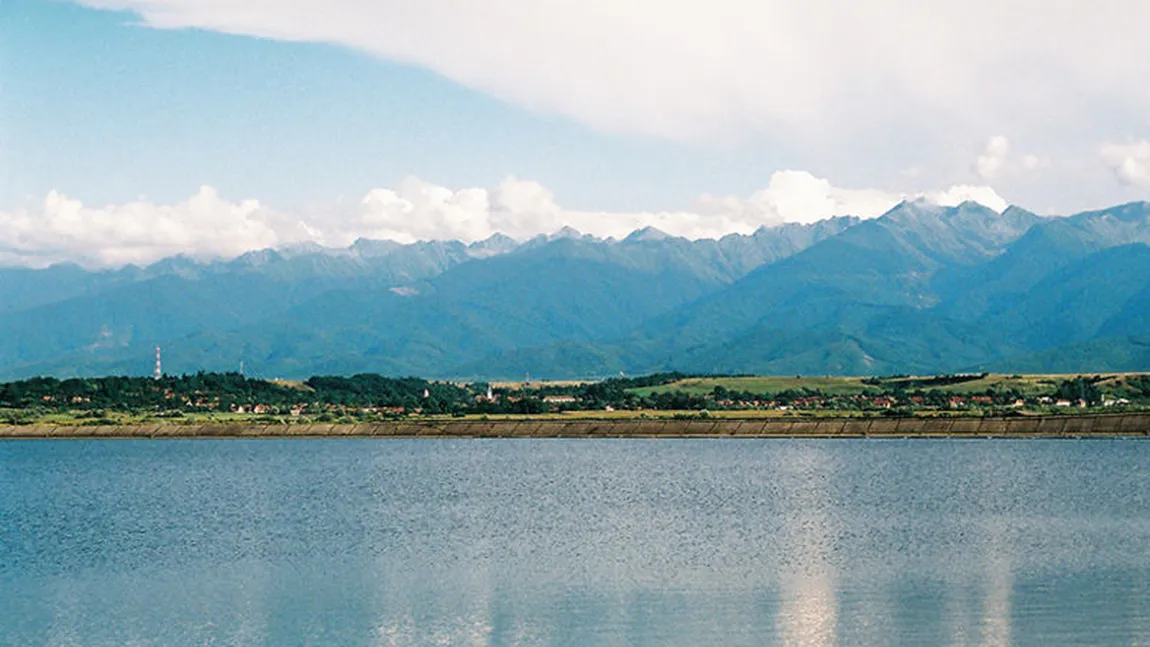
574	542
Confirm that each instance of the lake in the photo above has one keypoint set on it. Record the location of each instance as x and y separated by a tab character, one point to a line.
574	542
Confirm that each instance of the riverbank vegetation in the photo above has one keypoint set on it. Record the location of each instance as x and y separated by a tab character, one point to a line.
230	397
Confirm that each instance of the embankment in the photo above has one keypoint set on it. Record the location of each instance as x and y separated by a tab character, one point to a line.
1132	424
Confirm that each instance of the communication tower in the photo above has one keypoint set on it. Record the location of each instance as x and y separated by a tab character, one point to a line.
159	372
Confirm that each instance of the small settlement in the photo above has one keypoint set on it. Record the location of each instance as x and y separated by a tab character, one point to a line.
374	397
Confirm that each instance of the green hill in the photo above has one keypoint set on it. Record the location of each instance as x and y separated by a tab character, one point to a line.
923	289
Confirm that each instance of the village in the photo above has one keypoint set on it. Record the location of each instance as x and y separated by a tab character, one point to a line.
370	397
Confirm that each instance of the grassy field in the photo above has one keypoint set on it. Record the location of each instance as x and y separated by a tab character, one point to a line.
534	384
260	421
70	418
1026	384
627	415
704	385
293	384
118	418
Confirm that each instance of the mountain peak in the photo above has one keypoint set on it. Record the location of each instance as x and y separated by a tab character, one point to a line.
1016	211
969	205
492	246
175	262
1129	212
373	247
566	232
928	288
180	265
647	233
916	210
300	249
969	210
256	258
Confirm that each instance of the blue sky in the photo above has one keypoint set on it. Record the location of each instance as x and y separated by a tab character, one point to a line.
263	122
98	107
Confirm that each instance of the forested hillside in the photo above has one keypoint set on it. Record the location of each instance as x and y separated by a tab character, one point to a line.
922	289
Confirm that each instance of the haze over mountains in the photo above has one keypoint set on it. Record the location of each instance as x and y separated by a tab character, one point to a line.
922	289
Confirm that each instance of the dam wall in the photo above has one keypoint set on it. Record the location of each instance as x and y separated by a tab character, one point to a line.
1067	426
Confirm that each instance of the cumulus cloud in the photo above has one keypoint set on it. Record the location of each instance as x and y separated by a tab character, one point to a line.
207	226
1034	163
993	158
798	196
1130	163
996	160
956	195
699	69
64	229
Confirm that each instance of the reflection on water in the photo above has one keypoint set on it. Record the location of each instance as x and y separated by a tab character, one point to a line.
999	582
808	610
449	542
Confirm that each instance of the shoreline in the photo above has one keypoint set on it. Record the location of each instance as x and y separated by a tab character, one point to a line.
1067	426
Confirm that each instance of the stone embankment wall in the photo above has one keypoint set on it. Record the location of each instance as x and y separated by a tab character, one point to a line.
1022	426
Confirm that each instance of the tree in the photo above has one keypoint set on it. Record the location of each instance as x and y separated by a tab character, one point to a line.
1079	388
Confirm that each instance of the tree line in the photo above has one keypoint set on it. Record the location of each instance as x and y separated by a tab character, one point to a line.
402	395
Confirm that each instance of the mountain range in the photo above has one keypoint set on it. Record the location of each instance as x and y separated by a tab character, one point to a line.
921	289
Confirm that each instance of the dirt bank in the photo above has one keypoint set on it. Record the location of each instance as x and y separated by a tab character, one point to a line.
1133	424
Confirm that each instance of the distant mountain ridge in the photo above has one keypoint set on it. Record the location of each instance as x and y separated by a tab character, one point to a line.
923	289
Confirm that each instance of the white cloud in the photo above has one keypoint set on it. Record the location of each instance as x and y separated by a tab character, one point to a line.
417	210
63	229
1129	162
207	226
956	195
701	69
1032	163
996	160
993	158
798	196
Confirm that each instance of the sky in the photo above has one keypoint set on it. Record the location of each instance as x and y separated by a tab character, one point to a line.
131	130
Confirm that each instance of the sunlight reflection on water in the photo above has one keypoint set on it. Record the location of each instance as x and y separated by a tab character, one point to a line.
611	542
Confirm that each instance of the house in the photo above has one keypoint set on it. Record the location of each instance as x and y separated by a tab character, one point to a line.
559	399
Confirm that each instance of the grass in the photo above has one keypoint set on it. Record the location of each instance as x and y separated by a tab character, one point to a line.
619	415
126	419
534	384
1036	384
64	420
704	385
80	418
1026	384
298	385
